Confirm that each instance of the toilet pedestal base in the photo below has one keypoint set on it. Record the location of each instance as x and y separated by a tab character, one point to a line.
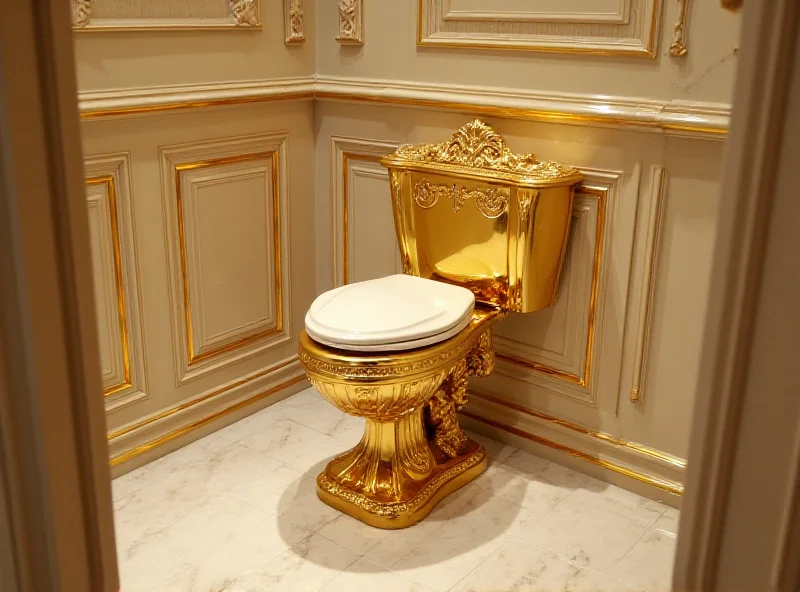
362	503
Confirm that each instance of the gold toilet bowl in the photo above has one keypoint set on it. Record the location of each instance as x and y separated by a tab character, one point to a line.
413	452
468	212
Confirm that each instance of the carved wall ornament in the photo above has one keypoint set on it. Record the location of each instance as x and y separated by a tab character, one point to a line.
293	11
351	22
490	202
678	47
244	12
81	13
478	146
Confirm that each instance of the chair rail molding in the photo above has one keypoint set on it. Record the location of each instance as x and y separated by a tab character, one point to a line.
671	117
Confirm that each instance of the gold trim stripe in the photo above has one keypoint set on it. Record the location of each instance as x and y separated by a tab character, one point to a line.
668	486
601	194
187	305
110	183
657	454
188	404
600	112
177	433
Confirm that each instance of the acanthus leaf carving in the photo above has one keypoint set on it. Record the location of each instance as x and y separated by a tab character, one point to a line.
81	13
350	21
244	12
478	146
678	48
294	21
491	202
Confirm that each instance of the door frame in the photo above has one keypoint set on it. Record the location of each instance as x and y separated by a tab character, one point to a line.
56	519
726	540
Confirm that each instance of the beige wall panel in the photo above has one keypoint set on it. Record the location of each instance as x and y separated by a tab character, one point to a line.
225	203
624	27
146	59
143	137
705	73
116	279
681	281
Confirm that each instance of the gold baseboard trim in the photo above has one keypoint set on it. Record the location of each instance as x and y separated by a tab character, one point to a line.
668	486
198	423
640	448
173	410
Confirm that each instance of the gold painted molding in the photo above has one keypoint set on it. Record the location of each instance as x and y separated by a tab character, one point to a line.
680	118
663	484
487	31
110	185
193	356
604	437
678	48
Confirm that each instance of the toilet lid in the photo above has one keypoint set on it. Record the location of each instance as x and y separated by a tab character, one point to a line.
392	313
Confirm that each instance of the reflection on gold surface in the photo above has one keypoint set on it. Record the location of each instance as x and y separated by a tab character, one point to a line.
468	212
192	355
111	191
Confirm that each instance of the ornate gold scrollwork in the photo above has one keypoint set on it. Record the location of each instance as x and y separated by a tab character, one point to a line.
476	145
491	202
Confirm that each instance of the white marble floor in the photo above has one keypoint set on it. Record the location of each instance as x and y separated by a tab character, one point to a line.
236	511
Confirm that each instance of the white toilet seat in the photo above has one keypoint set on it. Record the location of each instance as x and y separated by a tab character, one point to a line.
394	313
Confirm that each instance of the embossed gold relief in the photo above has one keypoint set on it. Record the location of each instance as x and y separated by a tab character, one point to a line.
413	452
477	146
351	22
491	202
244	12
678	47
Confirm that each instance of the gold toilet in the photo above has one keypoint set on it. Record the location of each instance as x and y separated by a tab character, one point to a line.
484	231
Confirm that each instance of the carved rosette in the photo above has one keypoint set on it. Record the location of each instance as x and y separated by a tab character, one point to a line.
81	13
294	21
351	22
244	12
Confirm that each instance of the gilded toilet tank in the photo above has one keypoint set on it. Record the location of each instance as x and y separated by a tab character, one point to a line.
471	212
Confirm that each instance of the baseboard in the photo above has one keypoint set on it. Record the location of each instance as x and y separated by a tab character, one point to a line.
646	471
156	435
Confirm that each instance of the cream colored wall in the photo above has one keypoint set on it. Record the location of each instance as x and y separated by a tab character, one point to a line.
199	220
390	52
660	187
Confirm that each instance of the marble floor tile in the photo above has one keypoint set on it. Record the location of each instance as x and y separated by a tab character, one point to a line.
144	565
520	567
621	501
668	522
238	511
464	541
586	535
496	451
306	567
231	562
648	566
216	523
284	440
365	576
353	535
